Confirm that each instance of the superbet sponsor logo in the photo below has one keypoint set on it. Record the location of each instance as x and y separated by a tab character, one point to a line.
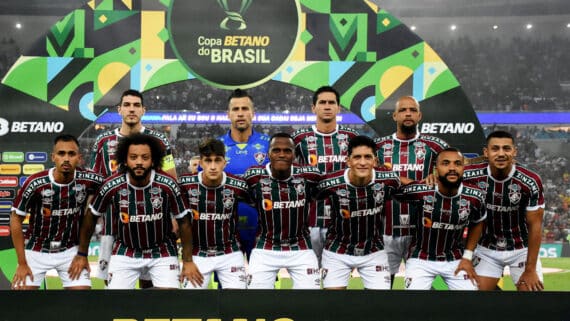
8	181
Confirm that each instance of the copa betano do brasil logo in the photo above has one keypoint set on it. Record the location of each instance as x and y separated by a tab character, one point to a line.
234	43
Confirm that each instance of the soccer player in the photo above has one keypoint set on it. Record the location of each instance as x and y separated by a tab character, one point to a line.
194	163
244	148
56	199
443	212
325	146
358	196
281	191
515	207
142	199
411	155
103	161
213	198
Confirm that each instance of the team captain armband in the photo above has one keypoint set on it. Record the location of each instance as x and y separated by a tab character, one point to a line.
168	162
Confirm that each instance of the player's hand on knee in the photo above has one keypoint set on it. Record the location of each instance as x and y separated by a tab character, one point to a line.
19	280
78	264
529	281
191	273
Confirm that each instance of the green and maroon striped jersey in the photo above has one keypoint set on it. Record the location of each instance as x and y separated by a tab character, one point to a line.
328	153
214	213
441	220
103	157
507	202
55	209
357	211
143	215
414	159
282	206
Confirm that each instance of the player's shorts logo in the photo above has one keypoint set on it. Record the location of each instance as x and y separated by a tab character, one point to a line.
407	282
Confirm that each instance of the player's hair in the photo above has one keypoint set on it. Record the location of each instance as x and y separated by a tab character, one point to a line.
280	135
325	89
407	97
212	146
239	93
131	92
156	150
66	138
449	149
500	134
361	140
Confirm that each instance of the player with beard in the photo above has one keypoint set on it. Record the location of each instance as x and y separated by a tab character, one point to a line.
411	155
515	209
131	108
56	199
142	199
281	191
442	212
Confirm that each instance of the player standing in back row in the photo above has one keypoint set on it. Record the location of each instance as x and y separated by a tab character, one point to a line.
325	146
411	155
103	161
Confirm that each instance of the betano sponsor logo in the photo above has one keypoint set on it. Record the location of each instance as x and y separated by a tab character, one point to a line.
447	128
30	127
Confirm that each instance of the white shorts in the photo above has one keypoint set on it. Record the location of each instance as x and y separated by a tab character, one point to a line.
421	273
318	237
40	263
373	269
124	271
397	249
230	269
302	266
491	263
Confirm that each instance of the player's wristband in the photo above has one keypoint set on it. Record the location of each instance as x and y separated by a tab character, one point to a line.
81	254
468	255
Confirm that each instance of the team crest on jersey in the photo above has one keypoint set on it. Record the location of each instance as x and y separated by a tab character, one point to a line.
300	188
379	196
156	201
47	196
259	157
342	192
228	202
514	193
80	193
311	139
420	150
387	150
